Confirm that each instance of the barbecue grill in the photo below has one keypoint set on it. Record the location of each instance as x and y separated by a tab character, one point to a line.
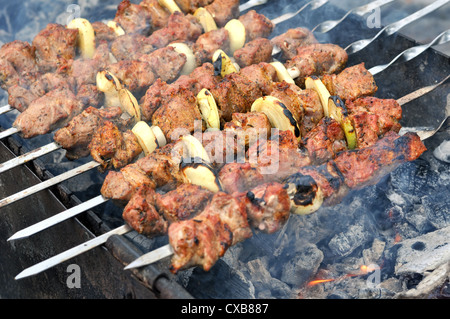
330	245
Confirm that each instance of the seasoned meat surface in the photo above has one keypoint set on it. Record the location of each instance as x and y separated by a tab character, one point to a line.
254	52
159	16
256	25
77	134
223	11
55	45
48	112
130	47
133	18
317	59
135	75
208	43
240	177
351	83
166	63
293	39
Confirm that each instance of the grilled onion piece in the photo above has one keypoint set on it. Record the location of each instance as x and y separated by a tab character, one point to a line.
223	64
236	32
278	114
86	36
282	72
129	104
338	111
317	85
170	5
202	174
208	109
190	64
145	136
194	149
118	30
110	85
205	19
306	196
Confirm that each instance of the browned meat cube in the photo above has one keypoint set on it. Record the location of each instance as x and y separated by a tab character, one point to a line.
77	134
240	177
317	59
249	126
48	112
254	52
166	63
182	203
256	25
289	94
223	11
159	16
133	18
351	83
135	75
208	43
189	6
324	141
103	32
140	213
55	45
130	47
293	39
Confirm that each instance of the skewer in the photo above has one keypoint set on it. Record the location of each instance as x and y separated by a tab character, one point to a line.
5	109
396	26
250	4
51	221
326	26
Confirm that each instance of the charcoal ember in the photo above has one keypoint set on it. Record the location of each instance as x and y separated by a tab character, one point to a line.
437	209
346	242
299	268
415	178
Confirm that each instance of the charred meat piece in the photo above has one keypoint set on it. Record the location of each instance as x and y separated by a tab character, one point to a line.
256	25
254	52
158	169
48	112
166	63
135	75
103	33
17	64
268	207
248	127
90	95
77	134
351	83
182	203
262	74
324	141
208	43
133	18
317	59
293	39
223	11
140	213
113	148
205	238
55	45
240	177
180	27
177	114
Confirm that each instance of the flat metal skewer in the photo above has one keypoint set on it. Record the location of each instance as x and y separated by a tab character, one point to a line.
48	183
394	27
75	251
8	132
250	4
5	109
361	11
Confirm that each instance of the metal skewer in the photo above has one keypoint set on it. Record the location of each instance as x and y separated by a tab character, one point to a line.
394	27
5	109
361	11
250	4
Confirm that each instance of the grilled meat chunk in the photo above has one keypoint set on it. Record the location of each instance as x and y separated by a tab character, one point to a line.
130	47
55	45
103	33
292	40
223	11
240	177
182	203
202	77
76	136
351	83
135	75
180	27
256	25
325	140
44	114
113	148
158	169
254	52
189	6
165	62
133	18
140	213
317	59
208	43
181	106
268	206
290	95
17	64
204	239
